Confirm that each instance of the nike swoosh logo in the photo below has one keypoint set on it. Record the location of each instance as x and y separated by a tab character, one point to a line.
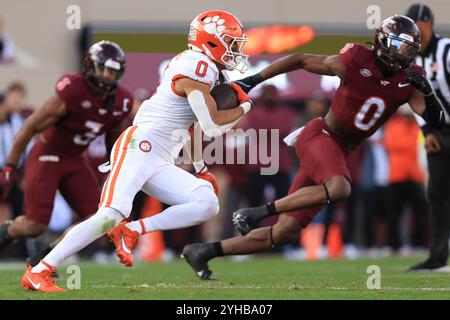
401	85
125	247
36	286
244	84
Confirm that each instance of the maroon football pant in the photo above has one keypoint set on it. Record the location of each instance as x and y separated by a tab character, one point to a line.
46	172
322	156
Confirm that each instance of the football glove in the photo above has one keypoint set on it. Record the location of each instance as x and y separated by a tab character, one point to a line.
419	81
208	176
241	95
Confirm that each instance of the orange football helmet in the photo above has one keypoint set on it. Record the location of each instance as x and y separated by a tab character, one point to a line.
220	36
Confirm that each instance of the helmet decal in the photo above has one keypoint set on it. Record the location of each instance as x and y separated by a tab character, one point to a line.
214	25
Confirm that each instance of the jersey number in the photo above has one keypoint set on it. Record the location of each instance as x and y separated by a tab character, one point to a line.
202	67
365	120
84	138
125	105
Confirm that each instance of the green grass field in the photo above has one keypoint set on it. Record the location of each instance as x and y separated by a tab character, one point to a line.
261	278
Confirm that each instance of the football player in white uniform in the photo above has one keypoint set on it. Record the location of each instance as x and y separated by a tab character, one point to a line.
143	156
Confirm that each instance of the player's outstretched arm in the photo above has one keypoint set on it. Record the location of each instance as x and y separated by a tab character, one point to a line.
424	102
43	118
213	122
325	65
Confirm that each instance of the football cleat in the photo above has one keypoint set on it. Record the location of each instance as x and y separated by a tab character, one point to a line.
42	281
430	266
197	256
40	255
4	238
243	221
43	250
124	240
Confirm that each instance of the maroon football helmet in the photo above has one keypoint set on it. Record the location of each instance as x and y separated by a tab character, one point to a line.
397	42
103	66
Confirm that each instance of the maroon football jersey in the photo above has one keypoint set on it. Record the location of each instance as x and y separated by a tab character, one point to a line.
85	118
366	99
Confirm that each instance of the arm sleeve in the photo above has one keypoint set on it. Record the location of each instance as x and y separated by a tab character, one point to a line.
433	114
196	138
201	111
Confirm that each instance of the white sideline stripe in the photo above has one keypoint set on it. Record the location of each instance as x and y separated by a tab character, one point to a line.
172	285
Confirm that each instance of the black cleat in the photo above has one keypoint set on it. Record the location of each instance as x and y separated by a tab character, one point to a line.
198	255
39	255
4	238
430	266
243	220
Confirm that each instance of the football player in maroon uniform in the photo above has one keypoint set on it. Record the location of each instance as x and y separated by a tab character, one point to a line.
374	83
85	105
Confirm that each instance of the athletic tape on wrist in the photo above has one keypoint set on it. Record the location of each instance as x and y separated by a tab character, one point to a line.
246	106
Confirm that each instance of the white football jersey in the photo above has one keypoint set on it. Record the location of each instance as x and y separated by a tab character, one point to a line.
167	115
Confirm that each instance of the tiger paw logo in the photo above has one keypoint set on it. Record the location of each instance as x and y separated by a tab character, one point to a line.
214	25
145	146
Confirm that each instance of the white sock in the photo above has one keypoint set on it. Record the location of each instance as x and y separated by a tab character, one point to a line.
202	206
136	226
80	236
39	267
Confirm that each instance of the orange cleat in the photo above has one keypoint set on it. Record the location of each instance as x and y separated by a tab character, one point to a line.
124	240
42	281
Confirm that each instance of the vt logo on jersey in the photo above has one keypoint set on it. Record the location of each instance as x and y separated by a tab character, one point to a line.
365	73
384	83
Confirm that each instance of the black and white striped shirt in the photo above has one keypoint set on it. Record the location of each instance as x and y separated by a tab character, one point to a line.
436	61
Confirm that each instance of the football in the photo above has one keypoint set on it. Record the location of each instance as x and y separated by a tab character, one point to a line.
225	96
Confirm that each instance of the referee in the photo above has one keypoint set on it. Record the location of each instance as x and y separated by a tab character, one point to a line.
434	56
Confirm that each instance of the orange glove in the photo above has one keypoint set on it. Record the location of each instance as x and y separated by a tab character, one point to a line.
208	176
241	95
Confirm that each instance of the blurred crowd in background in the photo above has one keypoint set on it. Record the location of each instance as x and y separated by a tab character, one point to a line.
387	213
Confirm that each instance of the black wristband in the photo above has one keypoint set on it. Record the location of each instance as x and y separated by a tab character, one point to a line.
256	79
271	208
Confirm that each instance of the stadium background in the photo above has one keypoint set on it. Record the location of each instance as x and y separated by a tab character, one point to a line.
152	31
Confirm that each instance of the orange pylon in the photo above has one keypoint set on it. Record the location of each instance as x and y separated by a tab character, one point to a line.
334	242
151	245
311	240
